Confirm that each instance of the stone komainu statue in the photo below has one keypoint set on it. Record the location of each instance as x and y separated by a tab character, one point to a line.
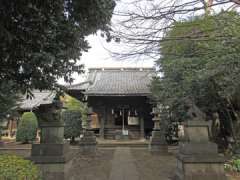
193	112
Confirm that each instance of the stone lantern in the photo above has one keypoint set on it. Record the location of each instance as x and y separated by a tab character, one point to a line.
88	141
157	141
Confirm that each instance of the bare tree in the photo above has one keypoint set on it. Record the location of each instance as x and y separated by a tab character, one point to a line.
141	24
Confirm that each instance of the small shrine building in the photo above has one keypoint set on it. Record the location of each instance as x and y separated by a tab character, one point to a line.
120	99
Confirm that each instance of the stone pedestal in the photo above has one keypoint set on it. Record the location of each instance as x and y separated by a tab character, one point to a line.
198	158
88	142
157	141
52	154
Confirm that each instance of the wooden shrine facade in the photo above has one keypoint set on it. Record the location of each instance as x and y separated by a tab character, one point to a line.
128	115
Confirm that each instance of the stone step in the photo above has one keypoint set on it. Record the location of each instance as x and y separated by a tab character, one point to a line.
122	143
110	133
140	145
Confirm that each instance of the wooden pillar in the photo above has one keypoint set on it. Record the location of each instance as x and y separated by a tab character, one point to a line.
10	127
142	134
102	125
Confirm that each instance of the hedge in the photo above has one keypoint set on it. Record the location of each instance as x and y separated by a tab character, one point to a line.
16	168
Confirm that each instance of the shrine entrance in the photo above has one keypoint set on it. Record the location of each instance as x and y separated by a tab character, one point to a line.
122	116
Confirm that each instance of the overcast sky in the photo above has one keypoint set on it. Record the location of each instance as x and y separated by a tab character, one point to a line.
100	56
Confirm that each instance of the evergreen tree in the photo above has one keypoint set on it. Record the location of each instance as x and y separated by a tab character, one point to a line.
73	124
41	41
200	61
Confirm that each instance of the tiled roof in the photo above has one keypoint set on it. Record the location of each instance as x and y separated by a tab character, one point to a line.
79	86
39	98
118	81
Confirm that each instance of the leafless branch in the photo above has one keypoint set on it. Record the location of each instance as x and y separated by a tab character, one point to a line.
142	25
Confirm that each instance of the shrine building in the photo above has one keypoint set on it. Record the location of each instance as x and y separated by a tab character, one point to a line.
120	99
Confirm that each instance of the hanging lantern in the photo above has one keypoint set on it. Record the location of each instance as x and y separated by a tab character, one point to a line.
120	112
112	111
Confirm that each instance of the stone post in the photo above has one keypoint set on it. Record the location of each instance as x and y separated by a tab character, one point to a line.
198	158
157	141
88	141
51	155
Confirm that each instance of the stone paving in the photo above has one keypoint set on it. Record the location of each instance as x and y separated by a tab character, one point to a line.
123	164
119	163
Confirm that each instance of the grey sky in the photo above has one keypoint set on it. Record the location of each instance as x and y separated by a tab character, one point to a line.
99	56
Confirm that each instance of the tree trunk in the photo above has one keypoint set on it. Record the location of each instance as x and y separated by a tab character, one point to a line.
72	141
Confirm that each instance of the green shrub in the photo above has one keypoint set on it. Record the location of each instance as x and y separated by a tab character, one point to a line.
236	165
73	124
27	129
233	164
16	168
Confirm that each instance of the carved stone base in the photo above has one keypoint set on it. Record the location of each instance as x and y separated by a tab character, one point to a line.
52	159
53	171
198	158
157	143
200	167
88	143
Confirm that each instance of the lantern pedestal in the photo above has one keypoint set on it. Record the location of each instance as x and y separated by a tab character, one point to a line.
88	142
157	143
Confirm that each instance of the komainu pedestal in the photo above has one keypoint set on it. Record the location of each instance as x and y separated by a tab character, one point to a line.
198	158
52	154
